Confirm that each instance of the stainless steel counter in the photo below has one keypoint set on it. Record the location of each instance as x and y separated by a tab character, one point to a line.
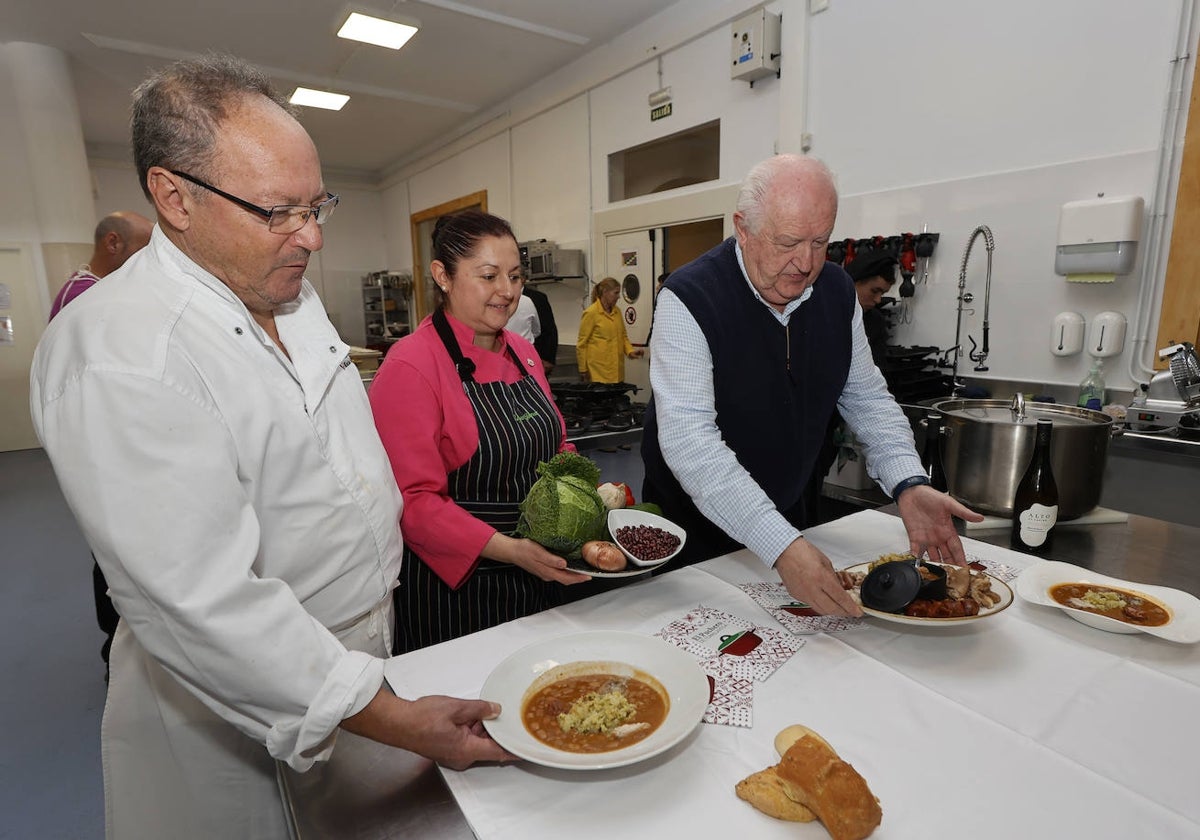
369	791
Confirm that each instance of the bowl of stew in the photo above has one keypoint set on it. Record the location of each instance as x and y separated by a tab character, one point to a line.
1112	604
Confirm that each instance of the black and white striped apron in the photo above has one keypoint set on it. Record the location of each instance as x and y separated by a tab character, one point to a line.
518	427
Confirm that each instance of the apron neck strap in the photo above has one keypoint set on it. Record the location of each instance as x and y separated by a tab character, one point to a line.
464	366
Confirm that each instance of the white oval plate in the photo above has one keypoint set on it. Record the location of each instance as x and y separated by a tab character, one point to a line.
998	586
1034	586
582	567
677	671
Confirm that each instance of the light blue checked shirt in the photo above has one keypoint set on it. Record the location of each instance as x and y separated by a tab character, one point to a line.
681	375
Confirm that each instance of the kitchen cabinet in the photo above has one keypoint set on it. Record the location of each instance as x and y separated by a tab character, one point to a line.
387	307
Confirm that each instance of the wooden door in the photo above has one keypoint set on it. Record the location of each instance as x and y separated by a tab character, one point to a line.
422	242
1179	319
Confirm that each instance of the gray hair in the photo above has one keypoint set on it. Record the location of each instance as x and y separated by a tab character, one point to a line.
176	112
759	180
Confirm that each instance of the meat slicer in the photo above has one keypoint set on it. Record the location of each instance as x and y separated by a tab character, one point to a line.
1172	399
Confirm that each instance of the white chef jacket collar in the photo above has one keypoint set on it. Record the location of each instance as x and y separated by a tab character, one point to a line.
313	364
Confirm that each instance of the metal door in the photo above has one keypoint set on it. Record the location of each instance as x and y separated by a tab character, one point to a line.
630	259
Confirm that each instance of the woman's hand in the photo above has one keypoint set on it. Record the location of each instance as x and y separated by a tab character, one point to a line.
531	557
637	354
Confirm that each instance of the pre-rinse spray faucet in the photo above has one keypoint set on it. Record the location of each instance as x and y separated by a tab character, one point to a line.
978	354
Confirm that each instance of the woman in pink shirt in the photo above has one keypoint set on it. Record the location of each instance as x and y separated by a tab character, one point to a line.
465	413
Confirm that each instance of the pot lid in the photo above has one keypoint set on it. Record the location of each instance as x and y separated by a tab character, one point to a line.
1010	413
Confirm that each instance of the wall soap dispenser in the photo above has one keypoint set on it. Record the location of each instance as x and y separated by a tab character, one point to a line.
1067	337
1107	335
1097	238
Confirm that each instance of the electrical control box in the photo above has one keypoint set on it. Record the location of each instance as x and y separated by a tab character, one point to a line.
755	46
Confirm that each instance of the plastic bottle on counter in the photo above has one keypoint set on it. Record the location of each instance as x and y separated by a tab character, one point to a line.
1091	389
1035	508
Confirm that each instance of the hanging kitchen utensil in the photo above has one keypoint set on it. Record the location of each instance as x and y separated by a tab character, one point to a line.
923	247
836	253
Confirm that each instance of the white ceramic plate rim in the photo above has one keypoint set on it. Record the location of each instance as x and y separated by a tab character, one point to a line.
1034	586
678	672
998	586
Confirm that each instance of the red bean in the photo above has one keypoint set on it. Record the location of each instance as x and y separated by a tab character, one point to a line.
646	542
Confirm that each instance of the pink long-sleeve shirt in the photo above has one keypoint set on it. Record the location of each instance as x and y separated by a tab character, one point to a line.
429	430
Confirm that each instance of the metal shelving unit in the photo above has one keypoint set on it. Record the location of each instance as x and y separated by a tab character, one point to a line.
387	307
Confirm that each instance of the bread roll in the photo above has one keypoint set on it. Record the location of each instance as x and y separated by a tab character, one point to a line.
813	775
791	734
764	790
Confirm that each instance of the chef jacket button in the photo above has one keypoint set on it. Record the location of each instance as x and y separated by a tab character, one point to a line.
529	362
332	349
237	330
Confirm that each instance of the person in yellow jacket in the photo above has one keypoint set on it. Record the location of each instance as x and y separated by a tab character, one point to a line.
603	345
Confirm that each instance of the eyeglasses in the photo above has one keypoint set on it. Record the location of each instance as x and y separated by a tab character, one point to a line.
282	218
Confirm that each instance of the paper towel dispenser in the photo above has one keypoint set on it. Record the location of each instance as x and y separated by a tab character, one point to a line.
1097	238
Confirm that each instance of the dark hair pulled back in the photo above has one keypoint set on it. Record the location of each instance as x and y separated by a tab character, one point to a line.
457	234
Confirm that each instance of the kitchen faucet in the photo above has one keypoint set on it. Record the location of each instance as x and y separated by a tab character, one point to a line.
977	354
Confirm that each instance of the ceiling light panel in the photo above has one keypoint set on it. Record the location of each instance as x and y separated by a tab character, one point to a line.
373	30
318	99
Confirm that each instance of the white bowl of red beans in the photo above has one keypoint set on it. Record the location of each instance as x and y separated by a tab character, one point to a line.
645	538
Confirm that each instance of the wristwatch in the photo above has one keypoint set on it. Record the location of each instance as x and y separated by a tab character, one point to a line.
906	483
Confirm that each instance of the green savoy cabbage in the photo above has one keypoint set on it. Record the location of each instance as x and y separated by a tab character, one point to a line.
563	510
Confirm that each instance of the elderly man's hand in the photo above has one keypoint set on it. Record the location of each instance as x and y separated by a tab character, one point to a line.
927	515
809	577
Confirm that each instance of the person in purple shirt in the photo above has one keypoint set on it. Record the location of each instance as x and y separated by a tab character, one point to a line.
118	237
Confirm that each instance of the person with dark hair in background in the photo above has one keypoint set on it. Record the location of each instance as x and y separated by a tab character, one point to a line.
465	413
213	439
546	341
874	274
755	344
118	237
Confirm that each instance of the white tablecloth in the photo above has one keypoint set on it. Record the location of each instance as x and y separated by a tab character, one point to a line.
1025	725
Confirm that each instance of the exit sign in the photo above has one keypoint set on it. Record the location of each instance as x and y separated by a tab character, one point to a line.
660	112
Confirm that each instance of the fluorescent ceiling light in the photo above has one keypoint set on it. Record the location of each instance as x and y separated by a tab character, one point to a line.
372	30
318	99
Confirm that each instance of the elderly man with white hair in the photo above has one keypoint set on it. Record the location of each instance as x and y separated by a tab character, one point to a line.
755	344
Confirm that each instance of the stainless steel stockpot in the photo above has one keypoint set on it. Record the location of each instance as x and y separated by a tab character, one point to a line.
987	444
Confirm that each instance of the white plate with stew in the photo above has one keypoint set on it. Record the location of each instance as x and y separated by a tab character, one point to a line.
1040	583
516	680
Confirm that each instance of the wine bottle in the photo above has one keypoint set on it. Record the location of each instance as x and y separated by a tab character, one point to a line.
1035	508
932	458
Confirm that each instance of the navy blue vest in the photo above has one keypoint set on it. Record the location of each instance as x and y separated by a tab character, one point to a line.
776	387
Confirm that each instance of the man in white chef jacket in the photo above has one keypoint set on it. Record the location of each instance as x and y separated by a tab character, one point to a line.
216	446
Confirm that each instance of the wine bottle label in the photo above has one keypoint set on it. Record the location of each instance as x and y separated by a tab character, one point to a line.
1037	522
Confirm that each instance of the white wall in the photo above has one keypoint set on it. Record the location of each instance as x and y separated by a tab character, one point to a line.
935	112
996	119
698	75
356	241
